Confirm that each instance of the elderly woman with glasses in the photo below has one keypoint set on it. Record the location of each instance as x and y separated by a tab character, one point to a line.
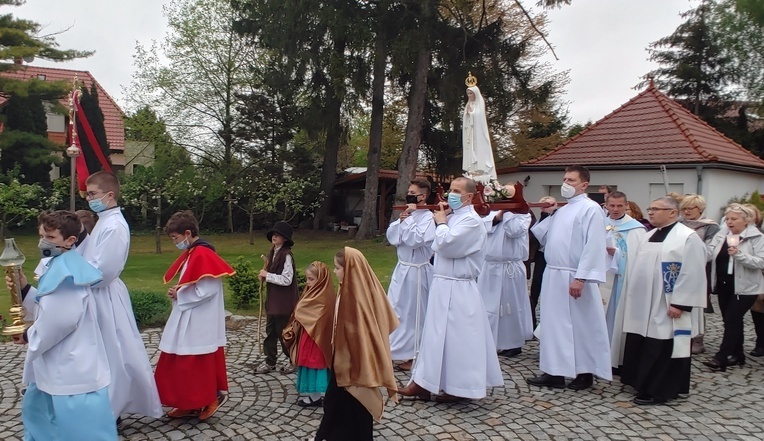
692	208
737	261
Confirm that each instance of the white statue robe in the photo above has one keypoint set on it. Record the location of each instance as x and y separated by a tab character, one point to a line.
662	274
457	355
132	389
572	332
624	235
477	160
411	280
502	281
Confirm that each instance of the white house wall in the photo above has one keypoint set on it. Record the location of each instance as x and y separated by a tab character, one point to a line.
641	186
723	185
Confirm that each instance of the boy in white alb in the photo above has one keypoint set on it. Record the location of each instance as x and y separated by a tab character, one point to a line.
132	389
66	368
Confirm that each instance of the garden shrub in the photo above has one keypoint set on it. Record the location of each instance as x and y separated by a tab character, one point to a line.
151	308
245	284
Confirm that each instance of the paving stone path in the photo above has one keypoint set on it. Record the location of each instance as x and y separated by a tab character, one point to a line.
720	406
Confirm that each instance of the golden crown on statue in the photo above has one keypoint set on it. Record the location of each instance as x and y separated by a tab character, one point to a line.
471	81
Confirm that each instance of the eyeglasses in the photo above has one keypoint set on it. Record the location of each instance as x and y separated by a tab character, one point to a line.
654	209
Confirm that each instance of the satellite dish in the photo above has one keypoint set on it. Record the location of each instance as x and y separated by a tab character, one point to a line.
29	58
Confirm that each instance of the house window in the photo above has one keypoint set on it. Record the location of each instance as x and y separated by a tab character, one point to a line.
41	77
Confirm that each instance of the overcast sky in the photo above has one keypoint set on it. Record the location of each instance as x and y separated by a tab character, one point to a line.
601	42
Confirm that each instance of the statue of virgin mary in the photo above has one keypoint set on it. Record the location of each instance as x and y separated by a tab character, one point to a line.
477	160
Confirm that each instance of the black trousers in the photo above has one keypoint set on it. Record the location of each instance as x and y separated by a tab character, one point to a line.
539	265
758	324
733	308
273	329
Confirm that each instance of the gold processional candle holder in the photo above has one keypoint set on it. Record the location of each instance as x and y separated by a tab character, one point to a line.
12	259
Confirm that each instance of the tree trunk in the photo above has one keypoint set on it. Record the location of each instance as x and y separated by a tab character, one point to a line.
252	227
368	219
408	160
332	147
415	123
158	229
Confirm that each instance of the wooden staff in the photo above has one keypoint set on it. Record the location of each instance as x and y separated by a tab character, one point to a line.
260	314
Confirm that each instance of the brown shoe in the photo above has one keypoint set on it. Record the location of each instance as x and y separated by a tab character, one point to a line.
212	408
697	346
405	366
180	413
416	391
448	398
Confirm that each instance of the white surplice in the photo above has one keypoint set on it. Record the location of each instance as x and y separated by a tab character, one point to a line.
503	283
457	355
197	322
66	354
411	280
665	273
132	389
572	332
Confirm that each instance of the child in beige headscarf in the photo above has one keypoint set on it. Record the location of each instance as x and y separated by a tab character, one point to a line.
308	335
361	362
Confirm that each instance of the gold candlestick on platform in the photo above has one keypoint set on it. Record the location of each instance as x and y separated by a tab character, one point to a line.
12	259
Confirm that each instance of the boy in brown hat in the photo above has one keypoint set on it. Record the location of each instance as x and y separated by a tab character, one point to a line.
281	291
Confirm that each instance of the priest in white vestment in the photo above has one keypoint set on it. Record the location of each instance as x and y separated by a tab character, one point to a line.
572	331
624	234
457	355
666	281
132	389
412	235
503	283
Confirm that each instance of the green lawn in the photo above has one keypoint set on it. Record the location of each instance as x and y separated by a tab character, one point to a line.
145	268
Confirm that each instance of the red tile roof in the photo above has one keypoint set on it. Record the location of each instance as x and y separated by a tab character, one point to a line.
113	115
649	129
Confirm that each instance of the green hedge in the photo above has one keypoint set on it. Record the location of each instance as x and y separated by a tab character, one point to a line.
151	308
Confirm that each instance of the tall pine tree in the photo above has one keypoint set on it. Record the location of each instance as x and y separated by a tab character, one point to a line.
24	141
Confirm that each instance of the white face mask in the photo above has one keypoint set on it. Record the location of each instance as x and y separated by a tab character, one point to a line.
567	191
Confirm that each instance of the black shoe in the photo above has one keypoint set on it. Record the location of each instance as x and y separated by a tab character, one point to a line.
582	381
757	352
733	360
546	380
647	400
308	402
616	371
510	352
716	365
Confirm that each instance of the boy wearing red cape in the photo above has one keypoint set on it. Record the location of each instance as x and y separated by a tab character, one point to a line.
191	371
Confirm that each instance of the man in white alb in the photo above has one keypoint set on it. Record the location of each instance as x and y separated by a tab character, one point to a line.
412	235
573	335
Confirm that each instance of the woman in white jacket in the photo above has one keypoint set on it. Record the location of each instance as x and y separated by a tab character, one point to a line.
737	259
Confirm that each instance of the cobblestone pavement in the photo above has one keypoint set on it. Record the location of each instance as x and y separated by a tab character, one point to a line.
720	406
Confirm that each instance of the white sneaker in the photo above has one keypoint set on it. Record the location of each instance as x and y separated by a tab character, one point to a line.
286	368
264	368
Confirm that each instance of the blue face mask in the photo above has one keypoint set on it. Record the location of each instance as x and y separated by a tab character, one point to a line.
182	245
97	205
455	201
